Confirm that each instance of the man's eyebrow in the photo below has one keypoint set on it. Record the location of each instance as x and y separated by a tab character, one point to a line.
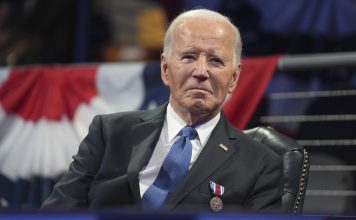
212	52
218	54
189	50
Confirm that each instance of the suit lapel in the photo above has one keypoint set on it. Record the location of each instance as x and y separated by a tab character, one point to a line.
211	157
145	137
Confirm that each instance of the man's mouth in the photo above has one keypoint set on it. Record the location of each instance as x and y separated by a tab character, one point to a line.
199	89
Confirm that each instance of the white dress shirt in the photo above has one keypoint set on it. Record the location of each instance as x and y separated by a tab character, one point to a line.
172	125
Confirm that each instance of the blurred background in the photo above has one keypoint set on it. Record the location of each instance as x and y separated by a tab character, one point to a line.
315	106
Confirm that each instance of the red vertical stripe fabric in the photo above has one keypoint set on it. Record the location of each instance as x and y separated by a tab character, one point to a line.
218	190
254	79
48	92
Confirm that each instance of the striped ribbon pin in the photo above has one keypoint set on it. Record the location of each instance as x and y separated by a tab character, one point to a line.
216	203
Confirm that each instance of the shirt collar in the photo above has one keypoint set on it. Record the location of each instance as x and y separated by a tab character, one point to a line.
175	123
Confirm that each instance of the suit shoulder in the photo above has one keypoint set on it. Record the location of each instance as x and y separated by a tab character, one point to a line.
132	117
122	115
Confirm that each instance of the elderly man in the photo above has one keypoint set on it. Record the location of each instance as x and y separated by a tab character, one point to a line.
183	155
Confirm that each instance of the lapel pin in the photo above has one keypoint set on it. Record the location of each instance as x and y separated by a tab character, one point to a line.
216	203
223	147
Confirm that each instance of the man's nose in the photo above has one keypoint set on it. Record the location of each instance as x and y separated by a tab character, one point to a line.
201	71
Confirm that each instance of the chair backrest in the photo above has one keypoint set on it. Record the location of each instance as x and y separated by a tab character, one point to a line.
295	165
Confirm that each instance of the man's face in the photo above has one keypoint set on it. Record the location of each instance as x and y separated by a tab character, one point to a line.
200	68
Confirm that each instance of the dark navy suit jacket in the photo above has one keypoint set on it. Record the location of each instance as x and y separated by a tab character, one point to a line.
104	173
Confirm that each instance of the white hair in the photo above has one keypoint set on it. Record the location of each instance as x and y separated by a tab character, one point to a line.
202	14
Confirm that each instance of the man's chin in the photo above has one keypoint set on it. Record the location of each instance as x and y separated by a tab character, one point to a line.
199	107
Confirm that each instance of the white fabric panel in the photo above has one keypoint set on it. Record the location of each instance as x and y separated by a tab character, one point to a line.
121	85
42	148
120	88
4	73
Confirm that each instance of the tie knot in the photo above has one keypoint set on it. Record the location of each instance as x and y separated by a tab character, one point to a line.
189	131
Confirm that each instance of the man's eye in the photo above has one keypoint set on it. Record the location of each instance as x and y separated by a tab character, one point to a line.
216	61
188	57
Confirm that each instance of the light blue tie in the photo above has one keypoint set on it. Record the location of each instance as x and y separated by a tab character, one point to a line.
173	169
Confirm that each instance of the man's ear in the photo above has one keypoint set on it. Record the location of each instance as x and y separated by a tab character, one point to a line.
164	70
234	79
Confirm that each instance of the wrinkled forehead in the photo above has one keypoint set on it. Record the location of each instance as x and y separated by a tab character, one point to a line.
210	33
199	25
204	30
198	29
